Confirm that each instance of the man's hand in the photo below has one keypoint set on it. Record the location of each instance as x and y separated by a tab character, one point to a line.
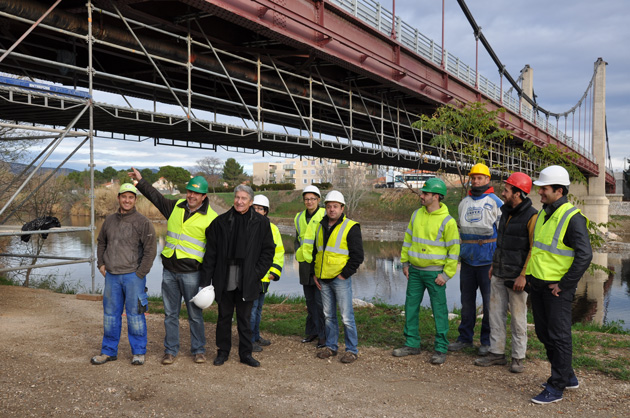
271	278
135	174
406	272
317	283
519	283
440	280
340	277
102	270
555	289
490	273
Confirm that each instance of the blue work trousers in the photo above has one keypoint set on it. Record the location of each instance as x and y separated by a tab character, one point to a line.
124	291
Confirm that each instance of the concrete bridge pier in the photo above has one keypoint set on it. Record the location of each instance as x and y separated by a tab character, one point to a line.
596	203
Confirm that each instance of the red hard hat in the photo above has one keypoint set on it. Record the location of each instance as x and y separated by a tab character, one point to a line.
521	181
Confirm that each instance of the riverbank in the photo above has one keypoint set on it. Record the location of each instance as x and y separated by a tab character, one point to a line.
48	339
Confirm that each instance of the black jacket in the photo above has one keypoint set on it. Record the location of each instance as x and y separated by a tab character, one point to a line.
512	240
260	251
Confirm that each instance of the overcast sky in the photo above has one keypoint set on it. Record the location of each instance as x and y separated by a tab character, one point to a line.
559	39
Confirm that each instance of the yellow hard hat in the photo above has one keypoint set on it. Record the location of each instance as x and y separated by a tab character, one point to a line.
480	168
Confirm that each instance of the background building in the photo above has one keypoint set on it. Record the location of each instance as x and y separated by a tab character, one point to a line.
303	172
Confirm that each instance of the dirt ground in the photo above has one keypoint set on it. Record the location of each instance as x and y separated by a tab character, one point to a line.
47	339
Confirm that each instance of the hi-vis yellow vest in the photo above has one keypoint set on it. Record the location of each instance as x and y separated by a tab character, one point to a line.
550	258
432	241
187	239
278	257
306	234
330	261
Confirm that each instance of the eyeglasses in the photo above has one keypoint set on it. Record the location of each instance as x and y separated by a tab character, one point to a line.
310	199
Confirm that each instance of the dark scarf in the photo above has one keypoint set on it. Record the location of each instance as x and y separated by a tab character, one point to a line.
478	191
237	249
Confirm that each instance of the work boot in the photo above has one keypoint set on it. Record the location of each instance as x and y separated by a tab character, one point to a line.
200	358
102	359
438	358
406	351
517	365
458	345
256	348
168	359
348	357
138	359
491	360
263	342
483	350
326	353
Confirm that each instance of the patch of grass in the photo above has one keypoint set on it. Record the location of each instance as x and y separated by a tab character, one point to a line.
596	347
5	281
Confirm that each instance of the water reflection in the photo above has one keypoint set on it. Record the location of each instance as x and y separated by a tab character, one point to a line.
599	297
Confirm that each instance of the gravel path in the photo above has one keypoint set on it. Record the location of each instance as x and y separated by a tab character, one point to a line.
47	339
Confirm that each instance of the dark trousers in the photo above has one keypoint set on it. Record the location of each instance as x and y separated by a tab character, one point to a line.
552	319
314	306
230	301
472	278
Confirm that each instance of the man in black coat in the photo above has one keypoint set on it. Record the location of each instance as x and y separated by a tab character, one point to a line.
239	252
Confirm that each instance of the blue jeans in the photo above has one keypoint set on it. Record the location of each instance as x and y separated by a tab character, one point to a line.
174	287
124	291
256	314
472	278
335	292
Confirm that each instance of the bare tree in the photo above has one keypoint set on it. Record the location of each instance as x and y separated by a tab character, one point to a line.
351	181
212	169
37	200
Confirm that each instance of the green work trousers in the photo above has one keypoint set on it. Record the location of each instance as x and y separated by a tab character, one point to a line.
419	281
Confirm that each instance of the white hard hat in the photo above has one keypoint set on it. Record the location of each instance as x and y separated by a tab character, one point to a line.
261	200
204	297
554	174
311	189
335	196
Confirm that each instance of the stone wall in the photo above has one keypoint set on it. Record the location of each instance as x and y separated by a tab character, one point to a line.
619	208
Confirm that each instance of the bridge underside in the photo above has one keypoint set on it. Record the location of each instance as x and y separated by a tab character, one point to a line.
235	81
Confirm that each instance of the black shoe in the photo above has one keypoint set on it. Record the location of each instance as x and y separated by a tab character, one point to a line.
309	338
250	361
262	342
220	359
256	348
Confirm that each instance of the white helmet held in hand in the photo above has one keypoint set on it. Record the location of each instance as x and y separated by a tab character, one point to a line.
204	297
261	200
311	189
335	196
554	174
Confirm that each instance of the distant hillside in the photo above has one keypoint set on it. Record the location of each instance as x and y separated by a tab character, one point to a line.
17	168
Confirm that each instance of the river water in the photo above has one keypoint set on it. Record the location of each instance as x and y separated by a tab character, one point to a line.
600	297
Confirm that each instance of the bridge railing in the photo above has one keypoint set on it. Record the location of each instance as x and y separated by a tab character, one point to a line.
375	15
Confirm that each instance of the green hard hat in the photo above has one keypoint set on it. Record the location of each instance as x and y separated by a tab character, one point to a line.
434	185
127	187
198	184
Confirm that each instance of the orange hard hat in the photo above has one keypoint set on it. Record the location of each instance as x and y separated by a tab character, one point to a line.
521	181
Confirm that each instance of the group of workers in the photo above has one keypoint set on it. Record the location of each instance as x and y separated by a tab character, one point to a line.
507	250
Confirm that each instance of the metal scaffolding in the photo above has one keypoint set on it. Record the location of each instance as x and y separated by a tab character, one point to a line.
192	76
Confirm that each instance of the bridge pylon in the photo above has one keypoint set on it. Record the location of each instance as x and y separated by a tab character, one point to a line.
595	202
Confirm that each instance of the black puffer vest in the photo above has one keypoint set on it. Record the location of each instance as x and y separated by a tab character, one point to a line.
512	240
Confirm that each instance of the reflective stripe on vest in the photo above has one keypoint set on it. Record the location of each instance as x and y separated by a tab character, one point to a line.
330	261
306	234
551	258
438	242
187	239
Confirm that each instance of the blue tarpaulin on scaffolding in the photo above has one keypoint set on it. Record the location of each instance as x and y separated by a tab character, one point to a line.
49	88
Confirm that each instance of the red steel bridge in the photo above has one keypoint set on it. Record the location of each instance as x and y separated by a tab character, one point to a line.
341	79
